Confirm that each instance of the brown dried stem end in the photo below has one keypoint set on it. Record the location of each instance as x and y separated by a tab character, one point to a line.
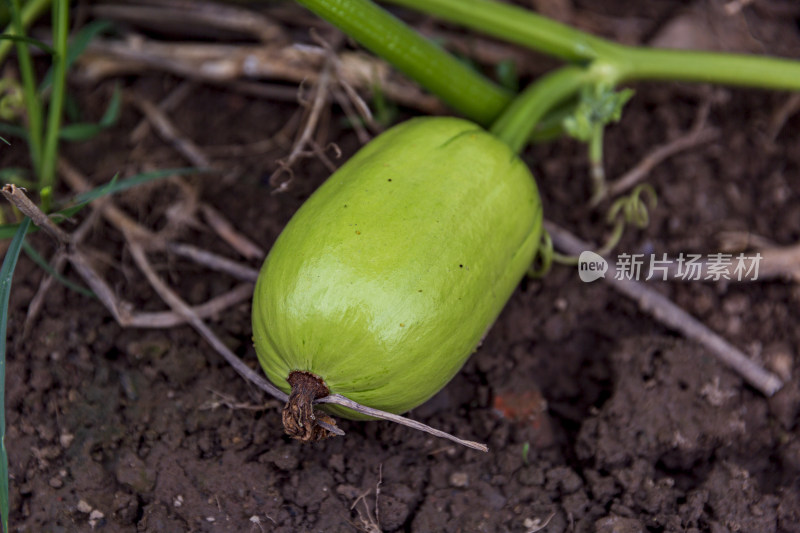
299	417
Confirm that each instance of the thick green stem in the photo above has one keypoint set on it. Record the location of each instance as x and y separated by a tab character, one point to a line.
709	67
519	120
50	154
523	27
462	88
517	25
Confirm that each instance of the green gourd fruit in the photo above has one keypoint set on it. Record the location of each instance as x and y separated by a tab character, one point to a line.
389	276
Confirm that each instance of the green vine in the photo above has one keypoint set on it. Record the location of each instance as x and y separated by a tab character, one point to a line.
521	26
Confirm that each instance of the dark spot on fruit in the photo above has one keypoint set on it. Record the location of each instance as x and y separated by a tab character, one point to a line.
345	205
402	325
460	266
390	179
358	232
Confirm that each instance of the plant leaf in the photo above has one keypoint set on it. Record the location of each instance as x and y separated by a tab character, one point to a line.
44	265
84	131
34	42
77	45
114	186
598	106
13	131
6	275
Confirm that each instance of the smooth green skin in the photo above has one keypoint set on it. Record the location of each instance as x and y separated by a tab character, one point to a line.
387	278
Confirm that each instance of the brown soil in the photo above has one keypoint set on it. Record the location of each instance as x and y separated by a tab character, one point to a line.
597	417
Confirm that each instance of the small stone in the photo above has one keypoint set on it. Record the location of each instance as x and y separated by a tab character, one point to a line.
95	517
84	507
65	439
459	479
178	501
56	482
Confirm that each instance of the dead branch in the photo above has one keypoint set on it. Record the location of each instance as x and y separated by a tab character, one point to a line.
120	309
308	130
350	112
397	419
187	313
228	63
672	316
154	241
699	134
784	112
168	132
57	263
199	17
225	400
17	196
213	261
168	104
776	262
228	233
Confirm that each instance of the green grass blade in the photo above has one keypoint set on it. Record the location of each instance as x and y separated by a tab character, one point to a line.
77	45
17	176
31	252
85	131
6	275
13	131
30	12
28	40
8	230
134	181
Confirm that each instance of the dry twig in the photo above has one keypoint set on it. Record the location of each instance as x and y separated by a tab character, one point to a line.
57	263
672	316
198	16
699	134
309	127
167	131
228	233
369	524
216	63
213	261
225	400
774	261
784	112
168	104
